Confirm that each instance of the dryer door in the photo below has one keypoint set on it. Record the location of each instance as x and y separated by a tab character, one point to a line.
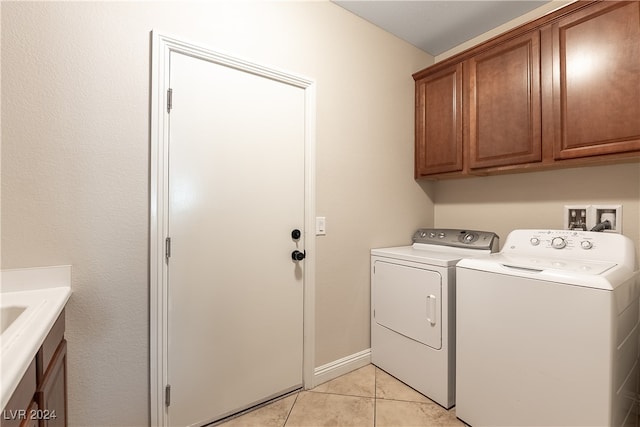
408	300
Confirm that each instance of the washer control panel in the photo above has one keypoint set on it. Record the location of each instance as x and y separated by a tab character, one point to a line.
570	244
471	239
562	239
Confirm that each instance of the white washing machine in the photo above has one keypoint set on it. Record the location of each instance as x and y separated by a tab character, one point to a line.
547	332
412	308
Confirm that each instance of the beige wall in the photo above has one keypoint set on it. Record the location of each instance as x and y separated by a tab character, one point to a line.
536	200
75	164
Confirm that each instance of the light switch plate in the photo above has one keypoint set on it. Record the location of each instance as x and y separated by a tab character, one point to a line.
321	226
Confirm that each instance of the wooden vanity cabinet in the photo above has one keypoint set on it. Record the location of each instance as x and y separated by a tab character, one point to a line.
53	390
17	412
51	363
32	419
596	80
40	399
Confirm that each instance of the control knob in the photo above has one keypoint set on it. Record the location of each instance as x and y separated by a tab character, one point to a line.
558	243
469	237
534	241
585	244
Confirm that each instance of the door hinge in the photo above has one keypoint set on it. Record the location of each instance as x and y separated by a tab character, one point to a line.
169	100
167	248
167	395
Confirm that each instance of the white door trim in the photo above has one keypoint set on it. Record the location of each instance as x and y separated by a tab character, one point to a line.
162	46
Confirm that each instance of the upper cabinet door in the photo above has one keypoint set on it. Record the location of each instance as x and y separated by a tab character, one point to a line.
503	97
596	80
439	122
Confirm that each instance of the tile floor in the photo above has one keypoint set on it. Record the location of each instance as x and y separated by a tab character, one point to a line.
367	397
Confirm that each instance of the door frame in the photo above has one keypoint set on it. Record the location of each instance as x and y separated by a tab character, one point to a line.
162	45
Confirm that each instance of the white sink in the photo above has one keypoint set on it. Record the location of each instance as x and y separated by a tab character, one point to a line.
8	315
18	311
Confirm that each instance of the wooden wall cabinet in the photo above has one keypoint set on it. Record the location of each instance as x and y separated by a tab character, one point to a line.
560	91
439	122
596	80
503	100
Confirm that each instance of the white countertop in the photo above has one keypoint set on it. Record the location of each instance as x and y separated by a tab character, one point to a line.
39	295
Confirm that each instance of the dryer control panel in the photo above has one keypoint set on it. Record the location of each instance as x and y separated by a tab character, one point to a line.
471	239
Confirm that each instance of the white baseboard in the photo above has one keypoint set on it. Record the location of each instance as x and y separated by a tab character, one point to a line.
339	367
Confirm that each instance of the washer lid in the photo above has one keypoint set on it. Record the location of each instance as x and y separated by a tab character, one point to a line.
566	265
591	274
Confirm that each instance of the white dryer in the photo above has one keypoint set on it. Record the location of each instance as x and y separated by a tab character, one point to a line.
547	332
412	307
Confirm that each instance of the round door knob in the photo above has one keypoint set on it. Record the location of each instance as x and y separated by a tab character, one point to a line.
295	234
297	255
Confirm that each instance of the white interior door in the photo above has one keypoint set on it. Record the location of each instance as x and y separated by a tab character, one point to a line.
236	192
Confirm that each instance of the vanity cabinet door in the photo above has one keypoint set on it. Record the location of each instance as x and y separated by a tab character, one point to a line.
596	80
439	122
51	364
20	407
52	391
503	99
31	420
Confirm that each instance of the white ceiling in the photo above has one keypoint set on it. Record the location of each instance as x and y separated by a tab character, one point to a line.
437	26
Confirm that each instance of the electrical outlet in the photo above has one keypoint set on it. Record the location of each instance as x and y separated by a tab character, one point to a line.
611	213
575	217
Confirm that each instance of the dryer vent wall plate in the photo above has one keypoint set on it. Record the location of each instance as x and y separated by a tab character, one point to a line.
611	213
